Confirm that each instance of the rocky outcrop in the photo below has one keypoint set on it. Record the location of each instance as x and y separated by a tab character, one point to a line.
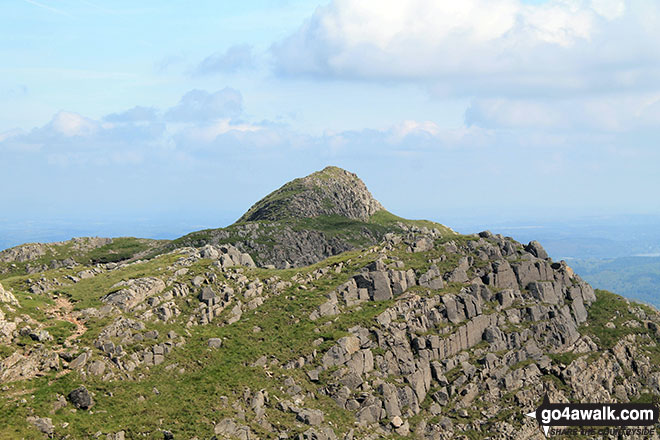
7	297
35	362
332	191
33	251
133	292
424	335
515	309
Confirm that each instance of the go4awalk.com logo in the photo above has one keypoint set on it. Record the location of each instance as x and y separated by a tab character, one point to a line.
596	418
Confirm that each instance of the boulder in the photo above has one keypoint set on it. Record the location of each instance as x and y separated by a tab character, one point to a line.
215	343
7	297
96	368
81	398
312	417
381	286
535	248
43	424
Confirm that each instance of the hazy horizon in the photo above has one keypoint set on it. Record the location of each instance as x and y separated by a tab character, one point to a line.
529	108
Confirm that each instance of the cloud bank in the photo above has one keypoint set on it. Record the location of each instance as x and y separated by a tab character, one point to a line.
481	47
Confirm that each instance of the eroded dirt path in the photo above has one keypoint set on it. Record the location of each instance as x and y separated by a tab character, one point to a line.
63	310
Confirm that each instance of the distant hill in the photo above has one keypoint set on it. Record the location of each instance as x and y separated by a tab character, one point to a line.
634	277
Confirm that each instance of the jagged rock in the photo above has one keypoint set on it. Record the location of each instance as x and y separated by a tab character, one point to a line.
376	283
81	398
529	271
422	245
502	276
328	308
198	280
535	248
425	355
370	411
208	296
341	351
60	402
420	380
390	400
451	309
41	336
505	297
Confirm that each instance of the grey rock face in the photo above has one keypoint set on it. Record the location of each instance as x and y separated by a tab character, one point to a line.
432	279
22	365
376	283
80	398
79	361
545	292
535	248
96	368
312	417
133	292
502	276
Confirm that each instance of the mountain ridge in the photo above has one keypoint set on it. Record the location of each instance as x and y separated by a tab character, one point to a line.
415	332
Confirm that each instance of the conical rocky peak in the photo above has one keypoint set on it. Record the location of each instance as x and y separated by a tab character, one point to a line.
331	191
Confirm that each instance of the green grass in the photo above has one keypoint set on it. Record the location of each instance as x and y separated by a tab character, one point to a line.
119	250
188	402
610	307
60	330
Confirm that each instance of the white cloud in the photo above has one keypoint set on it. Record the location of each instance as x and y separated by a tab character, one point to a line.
480	46
72	124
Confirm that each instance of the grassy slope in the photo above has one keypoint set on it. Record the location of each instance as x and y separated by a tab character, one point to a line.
188	403
120	249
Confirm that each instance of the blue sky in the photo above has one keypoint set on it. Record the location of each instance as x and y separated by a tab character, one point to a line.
188	112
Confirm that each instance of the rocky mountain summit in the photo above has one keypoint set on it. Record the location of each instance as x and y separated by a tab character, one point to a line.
307	220
332	191
415	333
